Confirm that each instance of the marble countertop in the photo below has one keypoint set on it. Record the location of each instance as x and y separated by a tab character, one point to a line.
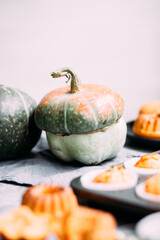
40	166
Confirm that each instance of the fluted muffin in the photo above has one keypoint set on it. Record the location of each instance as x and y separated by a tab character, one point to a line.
54	199
90	224
147	123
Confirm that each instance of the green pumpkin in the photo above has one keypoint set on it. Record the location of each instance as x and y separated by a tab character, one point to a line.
81	109
18	131
79	118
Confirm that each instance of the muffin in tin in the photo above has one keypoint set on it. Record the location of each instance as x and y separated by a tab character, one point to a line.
150	189
147	123
145	166
109	179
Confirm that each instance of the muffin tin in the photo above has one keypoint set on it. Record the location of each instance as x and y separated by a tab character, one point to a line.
122	199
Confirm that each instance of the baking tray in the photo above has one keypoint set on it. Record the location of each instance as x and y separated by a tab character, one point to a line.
121	200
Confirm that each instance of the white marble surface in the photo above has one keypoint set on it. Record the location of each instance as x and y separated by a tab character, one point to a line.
41	166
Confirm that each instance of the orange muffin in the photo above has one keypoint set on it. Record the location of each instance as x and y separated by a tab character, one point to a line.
116	174
54	199
147	123
55	211
48	198
22	223
89	224
152	185
81	224
151	161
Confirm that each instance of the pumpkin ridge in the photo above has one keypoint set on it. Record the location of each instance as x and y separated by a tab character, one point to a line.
65	117
114	110
66	103
6	89
25	106
94	112
18	131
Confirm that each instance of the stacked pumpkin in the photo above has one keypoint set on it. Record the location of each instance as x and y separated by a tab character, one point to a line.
83	122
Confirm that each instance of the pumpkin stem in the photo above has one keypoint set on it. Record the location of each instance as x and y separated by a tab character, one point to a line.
75	81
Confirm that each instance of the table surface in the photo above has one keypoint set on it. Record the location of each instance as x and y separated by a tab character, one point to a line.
41	166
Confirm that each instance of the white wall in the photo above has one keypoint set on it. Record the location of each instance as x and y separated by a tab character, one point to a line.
110	42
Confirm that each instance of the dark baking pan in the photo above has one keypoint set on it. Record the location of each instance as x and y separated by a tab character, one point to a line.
120	200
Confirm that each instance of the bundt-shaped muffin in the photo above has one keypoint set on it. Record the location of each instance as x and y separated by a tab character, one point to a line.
151	160
147	123
48	198
152	185
90	224
21	223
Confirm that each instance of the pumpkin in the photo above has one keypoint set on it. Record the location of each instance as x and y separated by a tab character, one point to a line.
18	131
83	121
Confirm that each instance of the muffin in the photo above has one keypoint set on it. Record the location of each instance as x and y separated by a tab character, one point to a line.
56	200
150	189
53	210
89	224
81	224
152	185
109	179
49	198
151	161
22	223
147	123
116	174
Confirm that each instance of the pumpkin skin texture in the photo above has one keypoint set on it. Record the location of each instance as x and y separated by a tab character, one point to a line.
91	148
18	131
91	108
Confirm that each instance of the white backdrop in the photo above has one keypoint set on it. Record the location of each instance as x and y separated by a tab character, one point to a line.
111	42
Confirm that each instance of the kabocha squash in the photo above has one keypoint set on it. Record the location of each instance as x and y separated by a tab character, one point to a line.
18	131
83	121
